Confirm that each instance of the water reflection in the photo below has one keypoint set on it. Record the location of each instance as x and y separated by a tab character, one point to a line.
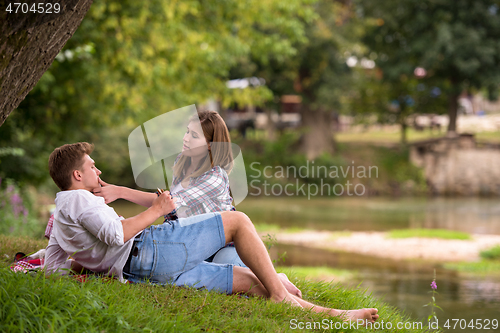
474	215
406	285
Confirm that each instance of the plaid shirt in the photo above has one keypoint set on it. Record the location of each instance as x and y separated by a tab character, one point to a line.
206	193
50	225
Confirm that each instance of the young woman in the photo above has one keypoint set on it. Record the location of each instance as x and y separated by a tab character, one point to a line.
201	183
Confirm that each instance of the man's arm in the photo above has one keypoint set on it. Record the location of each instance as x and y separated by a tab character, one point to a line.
161	205
112	192
56	259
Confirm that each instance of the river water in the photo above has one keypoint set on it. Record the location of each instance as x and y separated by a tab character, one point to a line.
403	284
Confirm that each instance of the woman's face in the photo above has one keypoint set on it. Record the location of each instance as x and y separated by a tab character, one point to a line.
194	143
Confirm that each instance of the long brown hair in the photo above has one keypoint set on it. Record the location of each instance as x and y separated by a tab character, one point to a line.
219	152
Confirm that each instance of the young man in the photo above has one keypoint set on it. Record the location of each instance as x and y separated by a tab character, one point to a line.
90	231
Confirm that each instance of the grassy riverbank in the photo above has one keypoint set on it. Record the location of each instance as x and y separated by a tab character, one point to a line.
429	233
31	302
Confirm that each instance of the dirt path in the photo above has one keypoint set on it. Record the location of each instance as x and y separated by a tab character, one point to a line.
377	244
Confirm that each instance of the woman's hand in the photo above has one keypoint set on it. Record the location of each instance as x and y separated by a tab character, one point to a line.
109	192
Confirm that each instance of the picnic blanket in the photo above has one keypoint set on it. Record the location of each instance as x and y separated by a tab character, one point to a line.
25	264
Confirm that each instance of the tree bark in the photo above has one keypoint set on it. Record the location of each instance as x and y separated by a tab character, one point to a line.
29	43
317	137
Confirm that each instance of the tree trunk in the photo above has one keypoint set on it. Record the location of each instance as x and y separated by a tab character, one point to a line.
402	121
29	43
270	125
404	139
452	113
317	137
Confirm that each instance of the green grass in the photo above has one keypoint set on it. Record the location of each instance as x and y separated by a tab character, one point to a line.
480	267
493	253
10	245
31	302
488	136
324	273
264	227
294	230
429	233
385	136
394	137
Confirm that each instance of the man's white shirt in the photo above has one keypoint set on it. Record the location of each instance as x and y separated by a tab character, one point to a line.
89	231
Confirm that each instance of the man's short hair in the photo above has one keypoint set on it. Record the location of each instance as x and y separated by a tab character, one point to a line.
65	159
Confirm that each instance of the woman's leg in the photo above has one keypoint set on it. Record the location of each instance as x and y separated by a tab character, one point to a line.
228	255
244	281
239	229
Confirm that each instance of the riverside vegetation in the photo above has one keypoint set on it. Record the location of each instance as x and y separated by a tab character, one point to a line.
31	302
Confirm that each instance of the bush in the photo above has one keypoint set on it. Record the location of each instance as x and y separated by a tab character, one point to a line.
16	211
280	162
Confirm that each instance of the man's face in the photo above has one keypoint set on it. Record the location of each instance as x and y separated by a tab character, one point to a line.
90	174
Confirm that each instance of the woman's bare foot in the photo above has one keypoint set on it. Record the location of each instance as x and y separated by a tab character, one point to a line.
287	299
368	315
292	289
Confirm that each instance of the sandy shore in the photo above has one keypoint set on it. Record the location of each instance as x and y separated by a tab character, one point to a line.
378	245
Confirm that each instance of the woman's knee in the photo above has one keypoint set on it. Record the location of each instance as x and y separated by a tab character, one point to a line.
234	220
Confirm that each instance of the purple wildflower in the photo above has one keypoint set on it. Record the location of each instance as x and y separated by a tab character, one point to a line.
434	285
15	199
17	204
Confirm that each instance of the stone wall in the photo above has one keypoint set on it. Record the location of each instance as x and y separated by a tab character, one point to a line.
459	166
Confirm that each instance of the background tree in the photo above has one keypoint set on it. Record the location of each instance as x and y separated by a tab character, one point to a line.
131	61
318	73
457	42
393	101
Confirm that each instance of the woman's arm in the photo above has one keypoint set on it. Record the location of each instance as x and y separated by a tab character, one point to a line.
112	192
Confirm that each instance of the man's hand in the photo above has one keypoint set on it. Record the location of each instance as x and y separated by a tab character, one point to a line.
109	192
164	204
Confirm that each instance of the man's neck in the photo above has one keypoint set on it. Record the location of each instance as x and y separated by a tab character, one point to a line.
76	187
